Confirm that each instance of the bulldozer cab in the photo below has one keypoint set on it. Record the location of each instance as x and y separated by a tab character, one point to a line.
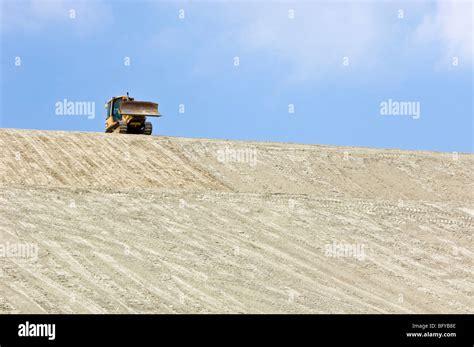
113	108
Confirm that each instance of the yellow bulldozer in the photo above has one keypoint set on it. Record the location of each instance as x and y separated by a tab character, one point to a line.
127	116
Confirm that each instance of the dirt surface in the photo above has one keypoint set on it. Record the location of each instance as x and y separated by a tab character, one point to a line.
110	223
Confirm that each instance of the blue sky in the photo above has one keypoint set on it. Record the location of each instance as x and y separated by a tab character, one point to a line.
335	62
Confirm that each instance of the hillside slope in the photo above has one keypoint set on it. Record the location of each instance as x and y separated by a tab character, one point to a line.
122	223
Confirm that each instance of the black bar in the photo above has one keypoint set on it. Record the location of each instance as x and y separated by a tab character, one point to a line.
139	330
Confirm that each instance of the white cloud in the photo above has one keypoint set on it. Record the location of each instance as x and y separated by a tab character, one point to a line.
451	27
314	43
317	38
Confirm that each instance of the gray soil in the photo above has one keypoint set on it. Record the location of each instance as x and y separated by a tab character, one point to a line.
112	223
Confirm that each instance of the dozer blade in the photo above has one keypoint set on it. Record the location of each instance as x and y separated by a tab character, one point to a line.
139	108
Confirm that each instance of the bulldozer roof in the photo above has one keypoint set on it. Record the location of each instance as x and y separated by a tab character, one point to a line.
118	97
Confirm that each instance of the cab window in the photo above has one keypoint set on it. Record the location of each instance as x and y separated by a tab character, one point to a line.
107	113
116	109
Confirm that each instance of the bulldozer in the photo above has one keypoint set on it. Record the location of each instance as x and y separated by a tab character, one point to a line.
127	116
